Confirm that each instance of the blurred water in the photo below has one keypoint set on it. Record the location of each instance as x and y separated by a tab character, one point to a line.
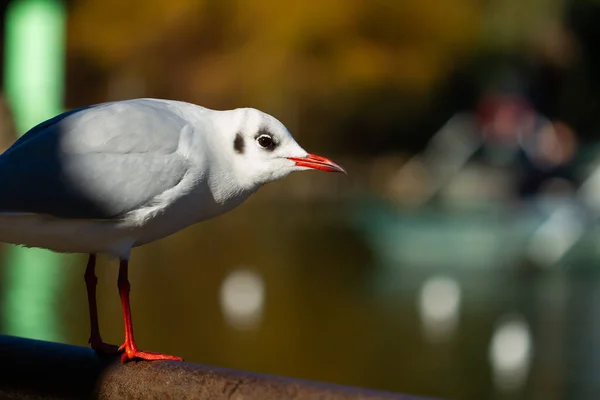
358	293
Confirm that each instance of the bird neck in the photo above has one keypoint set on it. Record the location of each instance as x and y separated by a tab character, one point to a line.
225	187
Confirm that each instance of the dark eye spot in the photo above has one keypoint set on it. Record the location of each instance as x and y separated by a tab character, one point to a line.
238	144
266	142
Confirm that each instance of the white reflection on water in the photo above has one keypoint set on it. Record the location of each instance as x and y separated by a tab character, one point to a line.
439	307
556	236
242	299
510	353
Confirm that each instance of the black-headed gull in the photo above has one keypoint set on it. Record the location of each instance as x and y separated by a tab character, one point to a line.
113	176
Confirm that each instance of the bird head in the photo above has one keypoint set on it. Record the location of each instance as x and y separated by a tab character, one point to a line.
261	149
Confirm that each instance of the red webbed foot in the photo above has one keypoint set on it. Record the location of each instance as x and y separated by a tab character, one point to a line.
104	348
130	352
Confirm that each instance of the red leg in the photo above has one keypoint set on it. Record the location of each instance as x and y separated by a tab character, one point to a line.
130	349
95	338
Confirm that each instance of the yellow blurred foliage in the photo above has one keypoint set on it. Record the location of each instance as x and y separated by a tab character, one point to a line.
269	51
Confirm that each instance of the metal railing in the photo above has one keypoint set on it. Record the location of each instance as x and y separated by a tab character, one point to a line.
31	369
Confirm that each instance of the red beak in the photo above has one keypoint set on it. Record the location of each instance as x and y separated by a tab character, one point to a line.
317	162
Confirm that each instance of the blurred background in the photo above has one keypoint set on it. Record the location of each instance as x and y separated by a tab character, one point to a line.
458	259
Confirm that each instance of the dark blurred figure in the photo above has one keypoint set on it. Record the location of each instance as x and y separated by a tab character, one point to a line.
518	137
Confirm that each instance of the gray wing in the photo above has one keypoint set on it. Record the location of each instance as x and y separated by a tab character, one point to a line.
98	162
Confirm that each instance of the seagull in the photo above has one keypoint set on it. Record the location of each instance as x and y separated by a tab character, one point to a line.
106	178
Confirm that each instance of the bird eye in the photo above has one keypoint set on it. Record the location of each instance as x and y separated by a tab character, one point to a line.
266	142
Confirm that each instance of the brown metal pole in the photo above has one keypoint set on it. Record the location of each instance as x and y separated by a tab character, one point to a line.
31	369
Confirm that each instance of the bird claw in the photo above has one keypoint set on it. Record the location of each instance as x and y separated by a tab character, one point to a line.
131	353
104	348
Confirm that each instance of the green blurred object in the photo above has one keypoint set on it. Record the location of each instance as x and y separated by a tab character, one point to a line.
34	85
